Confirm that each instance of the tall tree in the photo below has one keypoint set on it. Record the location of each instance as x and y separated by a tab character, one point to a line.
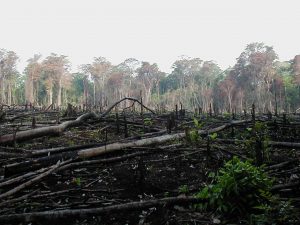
296	71
8	75
2	77
129	69
149	76
85	73
255	72
227	86
99	70
33	72
195	79
54	68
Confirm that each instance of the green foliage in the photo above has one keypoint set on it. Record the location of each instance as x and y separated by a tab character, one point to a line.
168	83
197	124
213	136
276	212
70	142
291	86
166	194
292	90
239	188
19	90
193	134
77	181
249	129
183	189
148	122
77	88
227	115
259	134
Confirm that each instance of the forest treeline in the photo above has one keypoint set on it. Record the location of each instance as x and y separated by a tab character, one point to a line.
257	77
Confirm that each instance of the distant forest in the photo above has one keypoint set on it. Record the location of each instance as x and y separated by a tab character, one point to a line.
257	77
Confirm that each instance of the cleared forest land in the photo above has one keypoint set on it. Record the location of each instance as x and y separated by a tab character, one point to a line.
137	166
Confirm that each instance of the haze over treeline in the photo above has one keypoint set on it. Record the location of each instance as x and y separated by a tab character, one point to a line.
256	77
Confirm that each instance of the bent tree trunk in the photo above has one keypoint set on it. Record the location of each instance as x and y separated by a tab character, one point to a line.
58	129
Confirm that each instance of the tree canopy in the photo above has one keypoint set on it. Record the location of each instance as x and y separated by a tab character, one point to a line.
257	77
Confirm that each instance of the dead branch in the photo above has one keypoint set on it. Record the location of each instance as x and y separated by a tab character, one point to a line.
82	213
123	99
34	180
14	200
270	143
20	178
284	186
230	152
37	163
99	161
64	153
51	151
284	144
281	165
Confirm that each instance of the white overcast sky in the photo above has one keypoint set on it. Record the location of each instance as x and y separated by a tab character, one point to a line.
151	30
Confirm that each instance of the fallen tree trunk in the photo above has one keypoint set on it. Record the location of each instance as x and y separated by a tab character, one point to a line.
83	213
44	131
56	130
61	153
87	153
48	151
32	164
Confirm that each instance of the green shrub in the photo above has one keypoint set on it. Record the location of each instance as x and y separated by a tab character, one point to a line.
148	122
239	189
192	135
184	189
257	142
276	212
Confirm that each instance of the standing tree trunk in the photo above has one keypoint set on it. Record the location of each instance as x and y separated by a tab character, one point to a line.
29	96
59	93
9	93
50	96
94	92
2	89
85	92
